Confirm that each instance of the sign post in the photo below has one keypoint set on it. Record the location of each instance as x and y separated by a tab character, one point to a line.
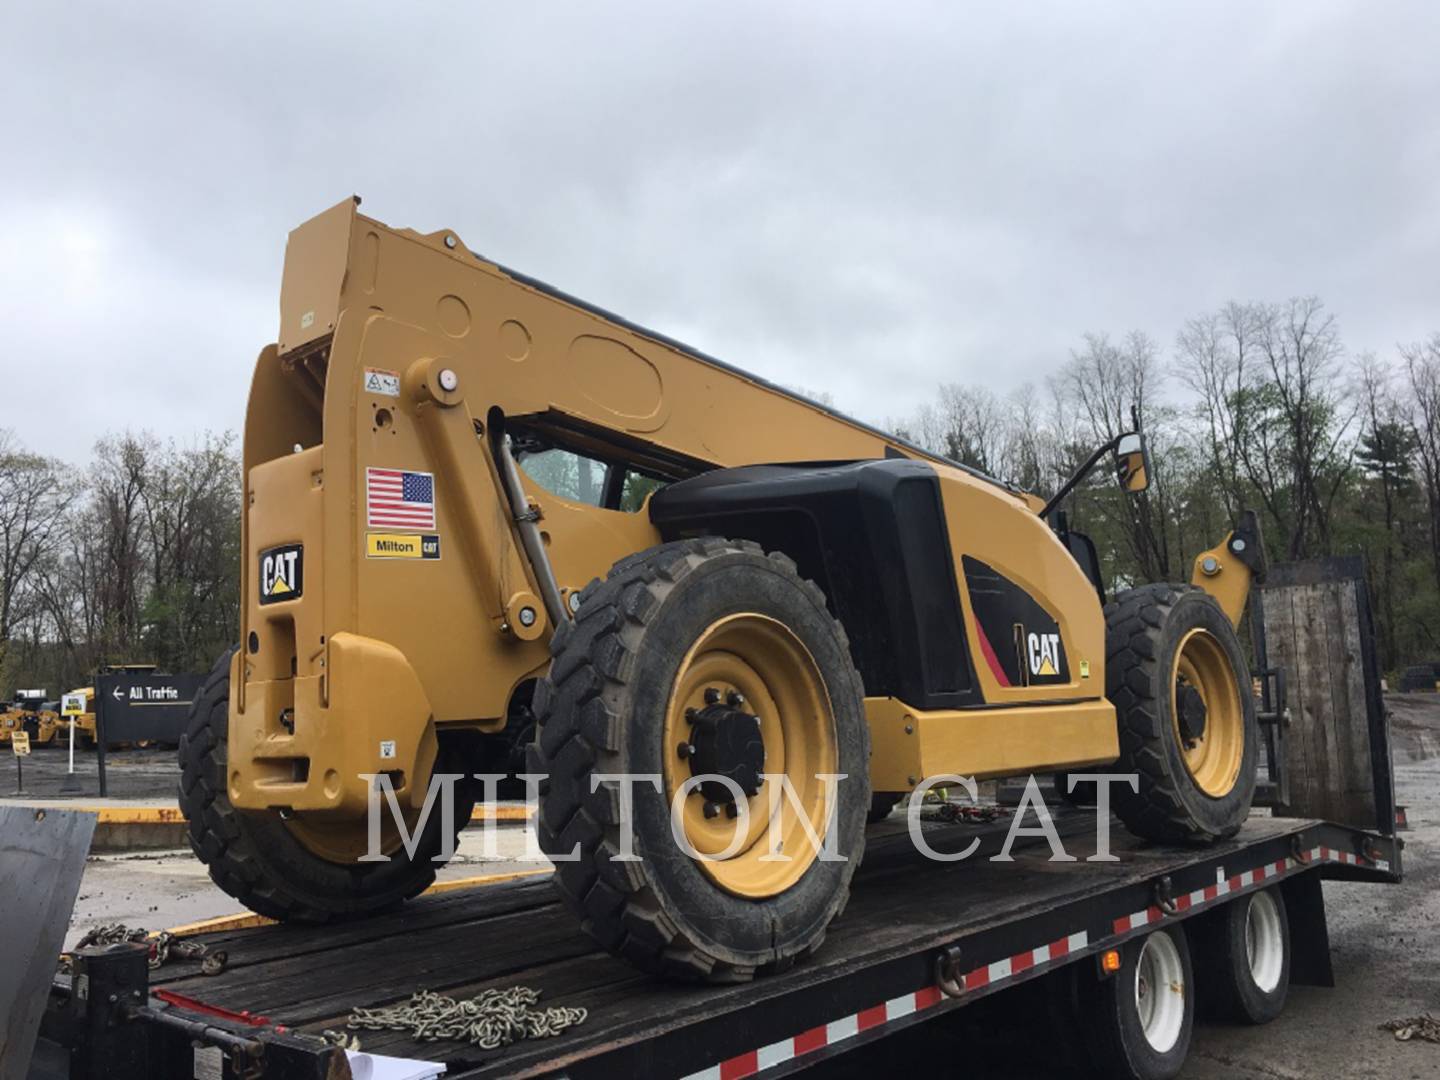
20	743
71	706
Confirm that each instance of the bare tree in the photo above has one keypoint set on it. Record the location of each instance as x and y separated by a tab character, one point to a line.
33	501
1302	349
1422	364
1108	387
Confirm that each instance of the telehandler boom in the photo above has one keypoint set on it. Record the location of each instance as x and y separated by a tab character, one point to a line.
480	512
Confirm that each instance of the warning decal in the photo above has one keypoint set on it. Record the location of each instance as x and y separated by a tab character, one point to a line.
380	381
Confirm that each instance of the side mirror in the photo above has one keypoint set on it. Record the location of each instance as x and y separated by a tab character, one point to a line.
1132	463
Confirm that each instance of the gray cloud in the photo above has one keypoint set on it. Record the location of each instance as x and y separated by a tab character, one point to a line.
859	198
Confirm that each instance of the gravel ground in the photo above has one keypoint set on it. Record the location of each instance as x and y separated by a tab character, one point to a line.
148	775
161	889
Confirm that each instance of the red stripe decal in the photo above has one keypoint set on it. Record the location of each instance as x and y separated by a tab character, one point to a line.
1212	891
977	978
806	1041
927	998
740	1066
990	657
1021	962
194	1005
871	1017
1060	948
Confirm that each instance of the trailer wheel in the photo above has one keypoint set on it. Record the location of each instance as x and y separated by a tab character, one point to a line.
1141	1018
1245	959
1179	681
259	860
692	659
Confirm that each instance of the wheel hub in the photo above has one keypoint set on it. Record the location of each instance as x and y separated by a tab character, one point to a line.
1191	706
725	740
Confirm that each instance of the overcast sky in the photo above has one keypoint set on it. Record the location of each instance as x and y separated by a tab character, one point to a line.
860	198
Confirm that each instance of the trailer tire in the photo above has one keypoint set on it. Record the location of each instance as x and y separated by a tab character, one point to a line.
1138	1025
618	677
1244	949
1167	647
257	860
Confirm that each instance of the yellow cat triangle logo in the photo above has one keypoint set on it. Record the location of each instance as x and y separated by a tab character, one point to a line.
279	586
1046	667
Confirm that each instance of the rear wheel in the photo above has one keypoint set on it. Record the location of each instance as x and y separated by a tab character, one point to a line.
1140	1019
1177	676
702	659
1245	957
297	869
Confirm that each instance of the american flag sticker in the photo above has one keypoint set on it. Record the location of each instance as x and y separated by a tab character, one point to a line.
395	499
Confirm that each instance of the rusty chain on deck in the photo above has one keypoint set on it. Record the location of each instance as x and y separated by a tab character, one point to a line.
491	1020
163	946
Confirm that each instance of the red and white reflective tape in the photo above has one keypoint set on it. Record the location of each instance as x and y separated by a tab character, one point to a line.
757	1061
848	1027
1225	886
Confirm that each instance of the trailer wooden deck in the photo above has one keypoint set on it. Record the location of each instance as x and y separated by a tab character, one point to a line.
904	912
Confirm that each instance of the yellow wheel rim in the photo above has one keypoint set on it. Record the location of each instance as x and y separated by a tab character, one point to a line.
776	679
1212	758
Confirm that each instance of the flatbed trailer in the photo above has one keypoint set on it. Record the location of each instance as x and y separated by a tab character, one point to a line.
915	942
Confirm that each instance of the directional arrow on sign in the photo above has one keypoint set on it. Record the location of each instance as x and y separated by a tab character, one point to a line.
117	694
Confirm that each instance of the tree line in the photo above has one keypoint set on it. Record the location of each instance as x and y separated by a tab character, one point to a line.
1252	406
133	558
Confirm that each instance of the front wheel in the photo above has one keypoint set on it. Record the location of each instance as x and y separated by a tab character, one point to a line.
708	677
1177	676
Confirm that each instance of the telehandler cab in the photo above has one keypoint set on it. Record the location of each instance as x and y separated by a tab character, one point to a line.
439	455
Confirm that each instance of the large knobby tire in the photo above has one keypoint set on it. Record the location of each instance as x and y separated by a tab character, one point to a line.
255	858
1166	644
618	676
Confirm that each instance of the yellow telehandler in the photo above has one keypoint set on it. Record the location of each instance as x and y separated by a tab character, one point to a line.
723	620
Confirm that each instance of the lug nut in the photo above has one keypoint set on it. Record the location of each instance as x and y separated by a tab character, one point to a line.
734	699
711	810
692	715
712	696
684	750
731	810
